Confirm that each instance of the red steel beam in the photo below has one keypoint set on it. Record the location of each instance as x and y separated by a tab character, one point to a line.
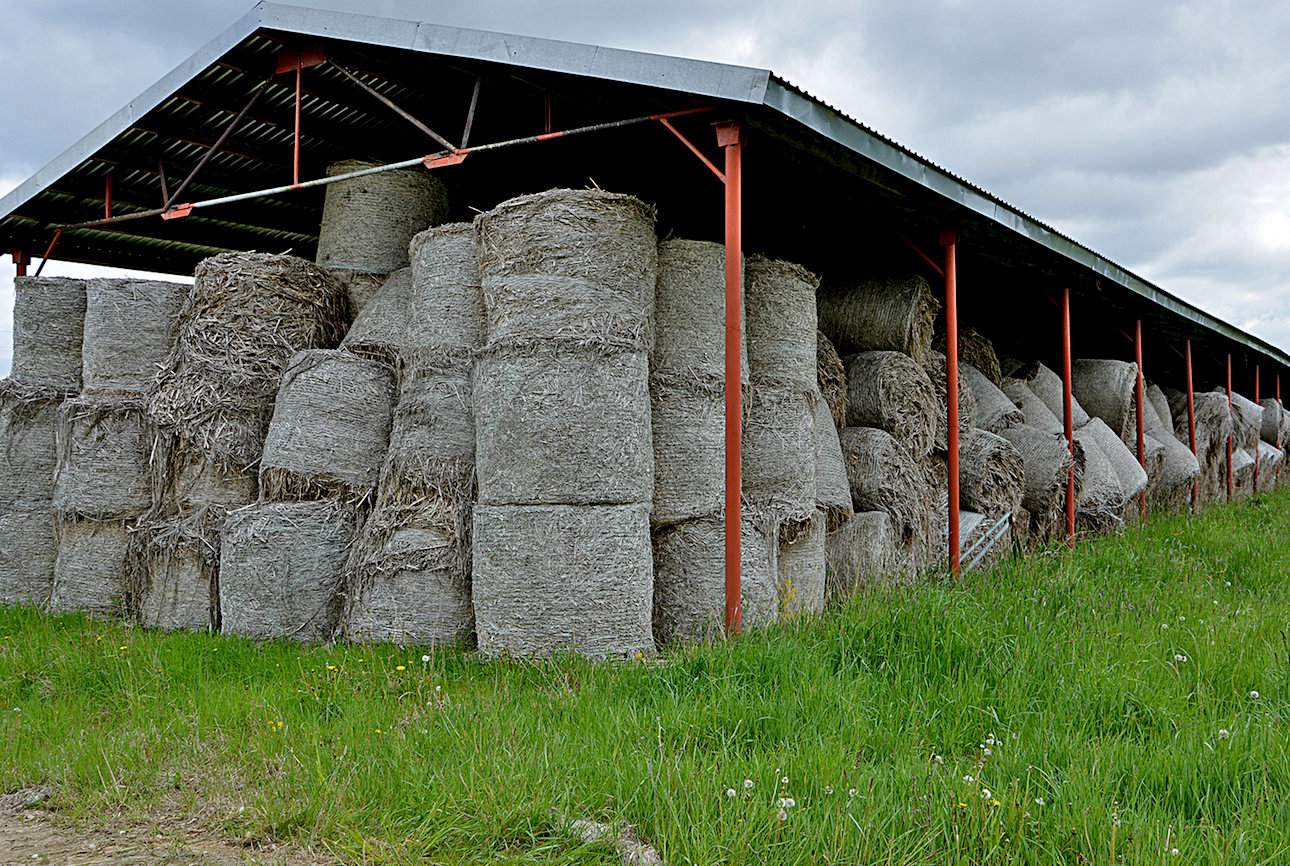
20	263
1068	414
1230	480
916	250
728	138
49	250
949	240
667	124
1191	430
1140	398
1256	450
107	196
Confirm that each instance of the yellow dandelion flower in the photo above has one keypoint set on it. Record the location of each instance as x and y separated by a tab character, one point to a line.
379	731
962	805
331	667
400	667
122	648
994	802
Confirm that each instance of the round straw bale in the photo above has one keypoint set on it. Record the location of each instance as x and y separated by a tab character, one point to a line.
246	315
48	327
27	550
1155	452
831	379
90	568
192	482
1270	457
779	457
1105	389
28	450
434	417
974	348
549	578
935	369
884	477
446	317
994	411
368	221
1133	478
130	328
832	490
895	314
1036	412
1048	387
1247	421
690	316
1243	463
1160	403
1047	459
862	552
992	476
177	587
780	298
889	391
1273	421
104	466
380	331
1102	497
689	580
281	569
561	425
800	570
330	428
689	428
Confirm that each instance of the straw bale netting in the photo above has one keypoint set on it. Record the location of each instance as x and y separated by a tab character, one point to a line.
1160	403
992	474
831	379
1047	459
779	458
1247	422
689	453
1036	412
104	463
130	328
1105	389
780	301
281	569
1048	387
174	576
90	568
689	580
690	316
246	315
446	310
1272	430
974	348
889	391
330	428
1270	458
368	222
27	550
563	425
935	369
884	477
1102	497
1170	488
28	447
994	411
800	570
864	551
549	578
1124	462
832	490
380	331
896	314
48	328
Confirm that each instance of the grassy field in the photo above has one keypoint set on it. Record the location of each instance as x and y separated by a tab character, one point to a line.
1128	703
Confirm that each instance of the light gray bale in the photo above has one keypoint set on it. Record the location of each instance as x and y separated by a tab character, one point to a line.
935	369
367	222
433	419
778	457
1243	463
1048	461
994	411
1247	422
48	329
884	477
90	569
446	308
130	328
380	331
831	378
883	314
193	481
887	390
281	569
562	425
179	590
1133	478
330	427
690	316
780	301
800	570
688	427
1102	497
1272	429
992	474
832	490
1105	388
689	580
1160	403
1036	412
522	309
1047	386
27	550
28	448
1270	459
864	551
104	466
1213	425
1170	487
549	578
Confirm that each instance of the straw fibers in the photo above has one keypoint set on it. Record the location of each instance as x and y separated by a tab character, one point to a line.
994	411
800	569
831	379
246	315
380	331
884	477
690	317
689	453
1170	485
28	448
976	349
1213	425
281	569
1272	430
864	551
130	328
1106	390
1102	497
104	462
1036	412
889	391
1047	459
895	314
1242	473
832	490
174	587
1133	478
27	550
935	369
992	474
780	302
689	580
549	578
446	308
89	570
1270	458
330	428
1048	387
779	458
48	328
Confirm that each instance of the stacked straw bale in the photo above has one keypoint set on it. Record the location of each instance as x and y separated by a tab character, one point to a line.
1272	430
1270	459
992	475
935	369
1105	389
381	329
888	314
1170	489
48	328
864	551
28	458
832	490
1047	385
130	328
800	568
887	390
563	447
884	476
1047	459
831	378
976	349
368	222
1213	426
1035	410
994	411
1247	422
1102	499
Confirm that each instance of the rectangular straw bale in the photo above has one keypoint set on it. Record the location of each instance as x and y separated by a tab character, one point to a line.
105	458
130	329
48	330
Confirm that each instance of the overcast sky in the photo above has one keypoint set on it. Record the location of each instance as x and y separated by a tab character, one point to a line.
1157	133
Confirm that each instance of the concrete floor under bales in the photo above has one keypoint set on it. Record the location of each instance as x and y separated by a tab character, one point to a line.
1121	702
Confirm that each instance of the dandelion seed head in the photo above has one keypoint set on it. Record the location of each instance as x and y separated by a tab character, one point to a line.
783	816
425	658
1254	696
985	794
969	778
851	792
987	751
1224	733
748	783
730	792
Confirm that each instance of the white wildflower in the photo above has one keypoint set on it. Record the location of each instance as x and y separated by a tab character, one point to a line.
747	784
851	792
828	789
425	659
784	780
987	751
1039	801
985	794
1254	696
783	816
1174	852
968	778
730	792
1180	658
938	760
1224	733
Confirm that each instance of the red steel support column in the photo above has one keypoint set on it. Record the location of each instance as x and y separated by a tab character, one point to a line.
949	240
1191	430
20	263
1256	450
1068	413
295	147
107	196
1140	397
729	139
1230	481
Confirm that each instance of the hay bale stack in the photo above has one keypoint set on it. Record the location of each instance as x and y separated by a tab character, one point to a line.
1160	403
1048	387
884	477
246	315
1048	460
993	474
28	546
1102	497
1213	426
330	428
831	379
976	349
782	346
367	223
550	578
1170	486
832	490
104	462
281	569
689	580
173	584
380	331
862	552
888	314
779	458
48	329
1272	431
28	461
800	570
1247	422
1270	459
1105	389
130	328
1035	410
446	309
90	568
688	429
994	411
1243	463
1124	462
888	391
935	369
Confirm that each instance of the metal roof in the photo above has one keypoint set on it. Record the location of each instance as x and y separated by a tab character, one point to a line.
172	122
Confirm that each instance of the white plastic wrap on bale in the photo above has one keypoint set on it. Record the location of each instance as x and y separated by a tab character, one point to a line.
48	329
130	328
104	467
800	570
780	303
550	578
864	551
27	551
89	571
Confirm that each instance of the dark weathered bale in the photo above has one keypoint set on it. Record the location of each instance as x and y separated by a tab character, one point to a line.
862	552
779	458
446	309
48	327
976	349
90	569
27	551
832	490
549	578
994	411
130	329
887	390
105	458
689	427
690	316
935	369
831	378
1105	389
800	570
28	447
893	314
992	474
780	301
380	331
1048	460
1036	412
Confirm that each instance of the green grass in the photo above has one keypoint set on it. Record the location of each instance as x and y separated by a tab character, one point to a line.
1067	660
